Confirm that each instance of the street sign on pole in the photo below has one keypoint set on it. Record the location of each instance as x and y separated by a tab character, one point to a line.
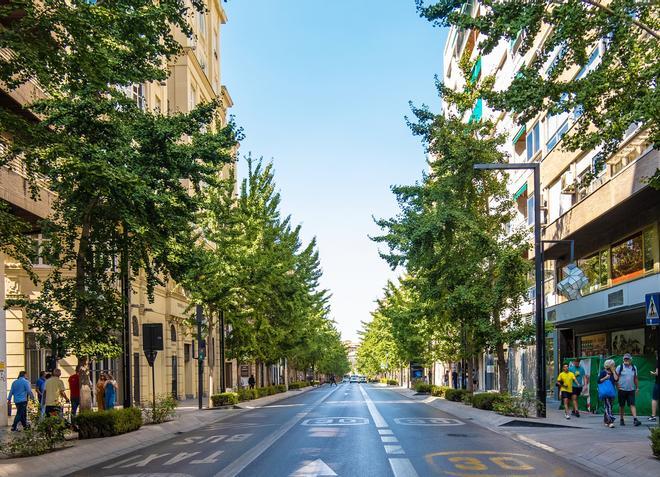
653	309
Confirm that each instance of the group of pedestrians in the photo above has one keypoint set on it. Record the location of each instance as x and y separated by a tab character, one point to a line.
621	382
51	392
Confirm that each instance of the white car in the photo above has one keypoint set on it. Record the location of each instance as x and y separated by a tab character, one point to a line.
354	378
363	379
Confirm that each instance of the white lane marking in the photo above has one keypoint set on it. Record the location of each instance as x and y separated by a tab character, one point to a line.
146	460
211	459
123	461
375	415
402	467
238	438
389	439
427	421
385	432
394	450
180	456
335	421
248	457
314	469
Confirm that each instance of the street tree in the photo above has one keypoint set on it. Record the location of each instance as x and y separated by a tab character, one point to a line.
600	63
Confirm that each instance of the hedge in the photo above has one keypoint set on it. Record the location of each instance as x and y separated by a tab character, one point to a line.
107	423
655	441
392	382
456	395
224	399
439	391
422	387
486	400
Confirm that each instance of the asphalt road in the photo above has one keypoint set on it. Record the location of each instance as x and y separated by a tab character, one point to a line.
349	430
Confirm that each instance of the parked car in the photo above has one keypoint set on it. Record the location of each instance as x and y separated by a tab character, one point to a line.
363	379
354	378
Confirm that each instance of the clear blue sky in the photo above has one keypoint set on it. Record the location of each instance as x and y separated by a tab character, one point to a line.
321	88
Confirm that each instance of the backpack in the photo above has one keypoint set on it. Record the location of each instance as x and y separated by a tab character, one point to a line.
620	368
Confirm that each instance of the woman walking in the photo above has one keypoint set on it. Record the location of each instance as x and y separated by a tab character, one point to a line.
607	390
100	392
110	392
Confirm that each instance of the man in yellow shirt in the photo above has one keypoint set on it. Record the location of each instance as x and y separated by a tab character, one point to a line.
54	391
566	380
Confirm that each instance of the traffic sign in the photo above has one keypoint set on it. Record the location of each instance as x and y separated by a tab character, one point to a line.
652	309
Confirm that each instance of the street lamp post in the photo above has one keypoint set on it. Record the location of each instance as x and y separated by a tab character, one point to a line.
535	167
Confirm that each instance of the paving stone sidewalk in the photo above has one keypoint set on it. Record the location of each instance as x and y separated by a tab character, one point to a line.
584	441
81	454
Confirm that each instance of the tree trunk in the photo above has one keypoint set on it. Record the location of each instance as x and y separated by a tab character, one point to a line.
502	371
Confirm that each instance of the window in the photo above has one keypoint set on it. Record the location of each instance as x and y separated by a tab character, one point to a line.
596	269
39	250
627	259
533	141
530	210
556	125
158	105
136	326
193	97
201	22
136	93
650	243
172	333
592	63
554	58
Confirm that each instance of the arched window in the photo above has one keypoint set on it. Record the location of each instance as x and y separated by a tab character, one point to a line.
136	326
172	333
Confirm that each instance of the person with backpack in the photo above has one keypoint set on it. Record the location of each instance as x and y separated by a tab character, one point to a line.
626	377
607	391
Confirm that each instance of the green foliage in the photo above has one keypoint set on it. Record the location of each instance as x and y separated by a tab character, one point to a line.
439	391
43	436
655	441
422	387
517	406
456	395
165	409
224	399
486	401
113	422
615	93
392	382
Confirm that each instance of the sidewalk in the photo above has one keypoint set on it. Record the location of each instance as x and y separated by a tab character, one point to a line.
81	454
584	441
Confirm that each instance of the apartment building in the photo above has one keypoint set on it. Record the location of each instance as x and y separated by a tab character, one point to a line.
612	220
195	76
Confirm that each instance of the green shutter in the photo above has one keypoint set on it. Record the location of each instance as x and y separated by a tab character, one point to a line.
476	70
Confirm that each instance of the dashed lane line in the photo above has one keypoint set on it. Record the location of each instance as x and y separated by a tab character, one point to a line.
402	467
248	457
375	415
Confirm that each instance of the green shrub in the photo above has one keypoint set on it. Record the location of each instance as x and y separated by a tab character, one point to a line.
467	398
299	384
224	399
655	441
455	395
281	388
108	423
392	382
44	435
422	387
164	411
517	406
246	394
439	390
486	400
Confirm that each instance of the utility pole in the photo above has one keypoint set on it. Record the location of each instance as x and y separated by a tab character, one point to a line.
126	315
200	356
223	383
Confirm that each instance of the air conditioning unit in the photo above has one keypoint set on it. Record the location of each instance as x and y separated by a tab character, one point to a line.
568	185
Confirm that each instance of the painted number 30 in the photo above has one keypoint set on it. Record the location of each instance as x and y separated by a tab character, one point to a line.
474	463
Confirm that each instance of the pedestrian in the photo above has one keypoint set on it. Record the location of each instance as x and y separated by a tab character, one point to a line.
446	380
656	393
20	390
41	385
100	392
251	381
580	377
607	391
566	381
54	391
626	377
454	379
110	392
475	379
74	391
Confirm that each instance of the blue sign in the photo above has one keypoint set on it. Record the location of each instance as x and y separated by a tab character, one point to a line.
652	309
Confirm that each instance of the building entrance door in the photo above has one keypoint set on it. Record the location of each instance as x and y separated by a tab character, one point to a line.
175	378
188	370
136	378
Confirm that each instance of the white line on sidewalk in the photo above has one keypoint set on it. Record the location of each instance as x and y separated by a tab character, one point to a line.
375	415
402	468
